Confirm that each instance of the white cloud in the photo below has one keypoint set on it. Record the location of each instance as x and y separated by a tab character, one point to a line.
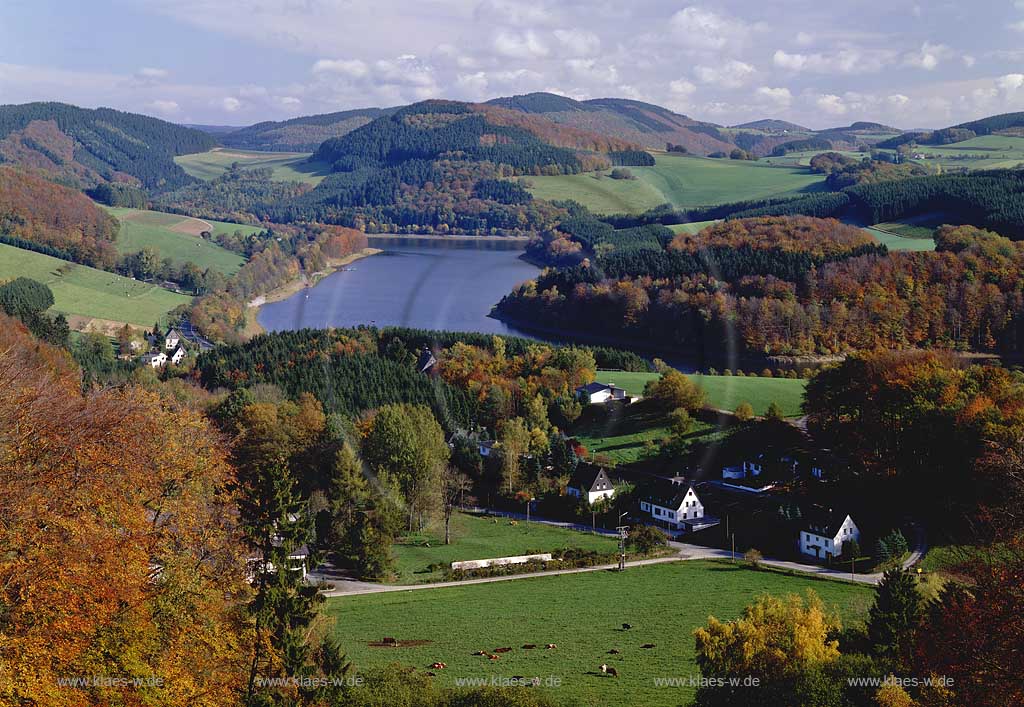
1010	83
590	70
969	60
231	104
804	39
898	101
520	46
780	97
164	107
1017	26
928	56
150	72
347	67
513	12
682	87
845	61
703	29
831	104
731	74
577	42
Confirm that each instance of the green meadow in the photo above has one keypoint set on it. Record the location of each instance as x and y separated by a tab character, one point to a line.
726	392
177	237
582	614
285	166
682	181
479	538
87	292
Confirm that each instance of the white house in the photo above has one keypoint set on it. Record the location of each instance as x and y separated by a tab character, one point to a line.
824	533
746	470
597	393
674	506
297	562
178	355
156	360
172	338
591	483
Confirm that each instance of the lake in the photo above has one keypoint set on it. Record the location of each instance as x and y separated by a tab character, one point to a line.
425	284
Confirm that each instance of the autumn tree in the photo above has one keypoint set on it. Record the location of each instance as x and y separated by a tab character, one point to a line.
454	485
514	439
674	390
744	412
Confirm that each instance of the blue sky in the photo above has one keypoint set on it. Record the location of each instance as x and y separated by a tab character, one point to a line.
819	63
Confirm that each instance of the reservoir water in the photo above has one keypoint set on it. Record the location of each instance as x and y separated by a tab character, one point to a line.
426	284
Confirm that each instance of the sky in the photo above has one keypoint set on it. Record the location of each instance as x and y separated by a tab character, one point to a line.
820	63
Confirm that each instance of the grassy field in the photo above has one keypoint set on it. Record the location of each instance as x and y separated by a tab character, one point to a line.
91	293
895	241
479	538
622	435
286	166
581	614
177	237
691	228
984	152
726	392
803	159
679	180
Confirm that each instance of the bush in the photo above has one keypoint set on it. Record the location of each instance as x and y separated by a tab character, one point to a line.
744	412
753	557
621	173
645	538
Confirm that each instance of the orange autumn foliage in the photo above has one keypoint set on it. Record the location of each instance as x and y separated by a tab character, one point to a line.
118	552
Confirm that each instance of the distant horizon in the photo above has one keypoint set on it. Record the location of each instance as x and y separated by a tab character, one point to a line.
239	62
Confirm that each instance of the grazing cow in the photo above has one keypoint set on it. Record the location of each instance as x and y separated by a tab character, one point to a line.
626	627
431	673
528	646
389	641
648	645
480	653
502	650
550	646
614	651
491	656
609	670
438	666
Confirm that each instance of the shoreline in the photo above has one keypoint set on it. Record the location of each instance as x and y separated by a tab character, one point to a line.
252	308
450	237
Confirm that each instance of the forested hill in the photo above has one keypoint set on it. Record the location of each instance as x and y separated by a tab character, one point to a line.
304	134
86	147
643	123
1003	124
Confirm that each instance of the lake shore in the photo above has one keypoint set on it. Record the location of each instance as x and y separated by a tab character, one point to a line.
253	307
449	237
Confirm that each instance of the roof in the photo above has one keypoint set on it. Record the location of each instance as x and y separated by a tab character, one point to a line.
667	494
587	476
173	333
595	387
824	521
426	360
178	348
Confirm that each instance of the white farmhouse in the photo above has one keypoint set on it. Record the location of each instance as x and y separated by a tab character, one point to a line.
172	338
155	360
178	355
825	532
674	506
597	393
747	470
591	483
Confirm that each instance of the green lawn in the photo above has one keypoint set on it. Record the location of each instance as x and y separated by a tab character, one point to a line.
88	292
286	166
726	392
622	434
479	538
175	237
581	614
983	152
691	228
679	180
897	242
803	159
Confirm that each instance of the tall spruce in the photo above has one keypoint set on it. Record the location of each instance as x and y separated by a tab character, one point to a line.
896	615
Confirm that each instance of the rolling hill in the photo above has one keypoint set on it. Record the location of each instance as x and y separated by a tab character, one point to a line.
772	125
85	147
303	134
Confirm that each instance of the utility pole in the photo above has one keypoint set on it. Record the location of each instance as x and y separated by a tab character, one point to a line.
593	521
623	533
733	547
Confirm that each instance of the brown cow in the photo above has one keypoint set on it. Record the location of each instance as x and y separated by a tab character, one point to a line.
528	646
648	645
550	646
502	650
609	670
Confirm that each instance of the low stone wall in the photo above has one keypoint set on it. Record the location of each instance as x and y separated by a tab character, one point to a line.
494	561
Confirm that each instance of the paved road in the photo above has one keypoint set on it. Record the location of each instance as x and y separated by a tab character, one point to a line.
343	586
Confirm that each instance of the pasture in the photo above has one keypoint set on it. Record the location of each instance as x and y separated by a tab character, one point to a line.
726	392
681	181
803	159
582	615
479	538
177	237
983	152
91	293
692	228
284	166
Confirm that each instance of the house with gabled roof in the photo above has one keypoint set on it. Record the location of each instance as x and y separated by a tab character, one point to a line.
674	504
178	355
154	360
172	338
591	483
599	393
825	531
